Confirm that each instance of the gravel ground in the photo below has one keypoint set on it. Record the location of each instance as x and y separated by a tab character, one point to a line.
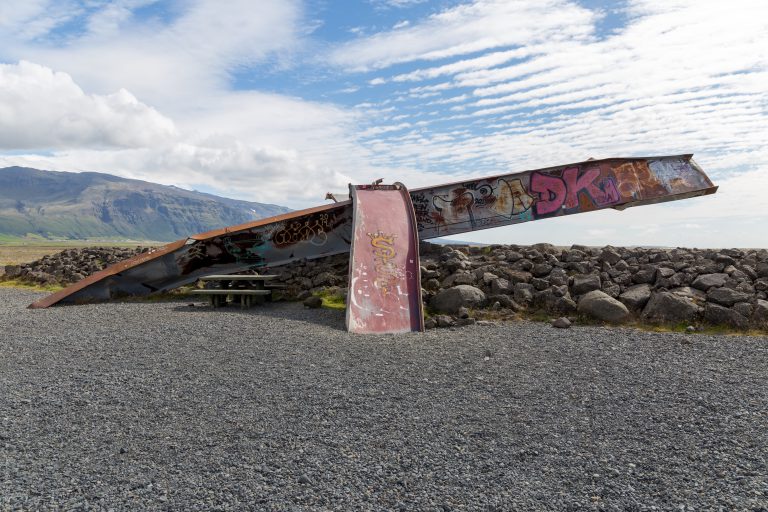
165	406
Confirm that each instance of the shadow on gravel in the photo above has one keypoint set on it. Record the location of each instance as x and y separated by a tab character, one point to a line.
294	311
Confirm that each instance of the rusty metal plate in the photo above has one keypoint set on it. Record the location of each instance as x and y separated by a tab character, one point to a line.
311	233
384	274
574	188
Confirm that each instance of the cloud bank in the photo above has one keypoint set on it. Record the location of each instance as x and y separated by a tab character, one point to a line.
43	109
266	106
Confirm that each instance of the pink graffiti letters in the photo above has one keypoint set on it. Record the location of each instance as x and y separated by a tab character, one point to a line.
603	193
557	193
551	190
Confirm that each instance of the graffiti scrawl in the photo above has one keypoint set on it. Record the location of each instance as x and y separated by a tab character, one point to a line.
441	210
385	270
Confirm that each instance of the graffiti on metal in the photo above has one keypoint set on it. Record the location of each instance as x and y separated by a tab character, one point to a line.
565	190
272	242
386	271
384	278
439	211
313	229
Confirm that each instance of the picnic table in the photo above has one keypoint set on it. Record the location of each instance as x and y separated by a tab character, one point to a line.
245	289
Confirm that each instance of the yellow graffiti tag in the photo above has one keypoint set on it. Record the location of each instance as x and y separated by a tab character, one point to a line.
385	268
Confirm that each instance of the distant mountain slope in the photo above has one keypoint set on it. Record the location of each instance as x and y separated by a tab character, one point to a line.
94	205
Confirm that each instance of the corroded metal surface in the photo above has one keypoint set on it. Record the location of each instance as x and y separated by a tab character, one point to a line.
574	188
384	275
311	233
440	211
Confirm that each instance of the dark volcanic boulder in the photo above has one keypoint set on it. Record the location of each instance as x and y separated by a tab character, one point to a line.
727	296
12	271
558	277
666	307
505	301
541	269
554	300
602	306
501	286
610	255
326	279
519	276
706	281
463	295
719	315
585	283
636	297
745	309
760	314
647	274
611	289
523	293
690	293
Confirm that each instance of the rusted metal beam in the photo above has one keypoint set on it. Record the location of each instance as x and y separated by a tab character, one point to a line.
617	183
443	210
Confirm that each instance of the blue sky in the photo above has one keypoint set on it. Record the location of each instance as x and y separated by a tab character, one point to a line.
281	101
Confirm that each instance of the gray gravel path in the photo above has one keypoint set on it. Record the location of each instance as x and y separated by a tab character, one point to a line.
168	407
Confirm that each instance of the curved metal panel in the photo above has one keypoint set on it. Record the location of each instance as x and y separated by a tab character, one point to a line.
384	274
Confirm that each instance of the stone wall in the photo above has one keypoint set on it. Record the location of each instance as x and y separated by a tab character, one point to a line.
613	284
68	266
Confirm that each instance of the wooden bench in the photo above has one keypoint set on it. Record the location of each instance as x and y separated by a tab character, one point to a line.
247	289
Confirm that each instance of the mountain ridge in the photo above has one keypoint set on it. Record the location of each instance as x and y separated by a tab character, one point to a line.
90	205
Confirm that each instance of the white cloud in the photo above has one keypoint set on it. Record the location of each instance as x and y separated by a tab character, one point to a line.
468	28
29	19
249	145
681	77
43	109
172	63
246	144
111	19
481	88
483	62
320	132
